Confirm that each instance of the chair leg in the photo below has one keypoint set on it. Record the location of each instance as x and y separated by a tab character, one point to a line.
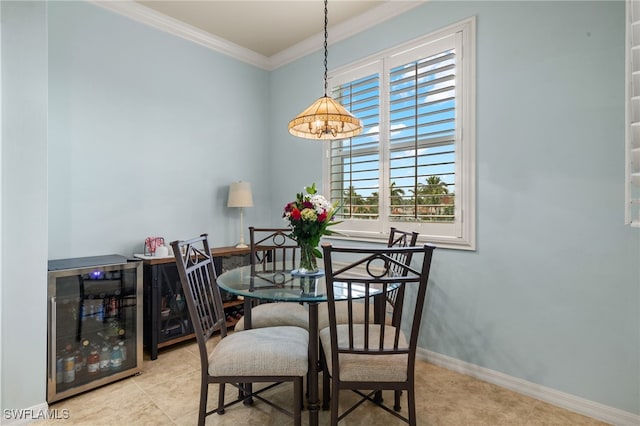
220	399
248	400
297	397
204	391
334	401
326	395
302	394
397	395
411	405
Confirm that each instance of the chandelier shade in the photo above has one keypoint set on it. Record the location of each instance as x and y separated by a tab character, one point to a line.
326	118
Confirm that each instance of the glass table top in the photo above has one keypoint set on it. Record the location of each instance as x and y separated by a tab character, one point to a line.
282	286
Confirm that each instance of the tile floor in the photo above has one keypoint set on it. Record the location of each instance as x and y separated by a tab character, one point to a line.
167	393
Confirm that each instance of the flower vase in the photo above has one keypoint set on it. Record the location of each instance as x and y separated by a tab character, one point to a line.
308	260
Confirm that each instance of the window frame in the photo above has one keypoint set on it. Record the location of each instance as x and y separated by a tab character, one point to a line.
462	233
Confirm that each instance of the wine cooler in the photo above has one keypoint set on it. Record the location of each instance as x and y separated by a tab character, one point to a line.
95	323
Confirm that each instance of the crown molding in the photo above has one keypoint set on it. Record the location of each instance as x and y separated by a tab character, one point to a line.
344	30
150	17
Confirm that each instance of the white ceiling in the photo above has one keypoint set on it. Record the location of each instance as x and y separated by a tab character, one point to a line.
266	33
266	27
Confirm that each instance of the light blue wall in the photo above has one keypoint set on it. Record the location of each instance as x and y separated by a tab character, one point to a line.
552	295
141	128
23	275
146	131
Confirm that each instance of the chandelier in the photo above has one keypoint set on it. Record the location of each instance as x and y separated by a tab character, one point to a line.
326	118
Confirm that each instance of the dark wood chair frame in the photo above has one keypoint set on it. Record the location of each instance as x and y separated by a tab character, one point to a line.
395	272
204	302
395	298
271	249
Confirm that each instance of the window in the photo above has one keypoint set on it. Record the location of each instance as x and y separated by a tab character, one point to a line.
413	166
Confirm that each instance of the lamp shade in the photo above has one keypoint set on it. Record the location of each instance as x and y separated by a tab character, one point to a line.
240	195
325	119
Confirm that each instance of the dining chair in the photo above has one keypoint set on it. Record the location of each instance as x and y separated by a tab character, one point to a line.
362	354
397	238
271	250
272	355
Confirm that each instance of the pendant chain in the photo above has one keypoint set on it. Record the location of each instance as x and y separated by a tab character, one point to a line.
326	21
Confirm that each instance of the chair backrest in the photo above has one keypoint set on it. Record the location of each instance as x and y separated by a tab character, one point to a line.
373	270
198	278
398	238
272	249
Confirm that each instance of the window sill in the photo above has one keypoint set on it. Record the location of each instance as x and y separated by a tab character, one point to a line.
384	239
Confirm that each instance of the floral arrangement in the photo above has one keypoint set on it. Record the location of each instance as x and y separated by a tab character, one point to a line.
310	217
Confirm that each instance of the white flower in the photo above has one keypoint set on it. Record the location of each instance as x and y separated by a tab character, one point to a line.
320	203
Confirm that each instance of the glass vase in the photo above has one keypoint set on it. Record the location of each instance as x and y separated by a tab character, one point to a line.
308	261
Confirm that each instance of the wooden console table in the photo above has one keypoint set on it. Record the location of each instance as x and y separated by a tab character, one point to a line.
166	317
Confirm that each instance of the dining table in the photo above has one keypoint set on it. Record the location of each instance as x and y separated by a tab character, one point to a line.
272	283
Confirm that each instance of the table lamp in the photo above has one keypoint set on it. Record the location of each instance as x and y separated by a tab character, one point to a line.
240	196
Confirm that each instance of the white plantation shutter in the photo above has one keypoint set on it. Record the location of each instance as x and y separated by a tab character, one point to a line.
355	162
410	167
632	152
422	98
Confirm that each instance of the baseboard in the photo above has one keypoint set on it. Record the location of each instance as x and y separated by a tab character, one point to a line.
23	416
570	402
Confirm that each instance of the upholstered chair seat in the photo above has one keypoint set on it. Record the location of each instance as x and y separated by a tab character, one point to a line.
361	368
259	352
275	314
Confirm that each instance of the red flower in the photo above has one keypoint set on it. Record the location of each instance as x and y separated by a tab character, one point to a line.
322	217
295	214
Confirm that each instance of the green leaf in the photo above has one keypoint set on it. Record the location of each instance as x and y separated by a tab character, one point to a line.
311	190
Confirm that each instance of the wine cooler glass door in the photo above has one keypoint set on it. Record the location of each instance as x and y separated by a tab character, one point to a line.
93	330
